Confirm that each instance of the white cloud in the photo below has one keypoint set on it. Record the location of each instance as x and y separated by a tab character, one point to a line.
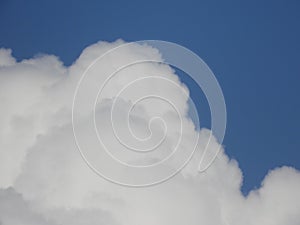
6	58
51	184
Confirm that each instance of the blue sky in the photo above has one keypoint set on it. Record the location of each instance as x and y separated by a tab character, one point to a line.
252	47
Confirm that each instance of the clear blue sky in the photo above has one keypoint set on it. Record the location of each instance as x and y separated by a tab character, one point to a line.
253	47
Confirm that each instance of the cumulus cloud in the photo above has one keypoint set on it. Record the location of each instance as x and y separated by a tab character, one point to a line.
44	179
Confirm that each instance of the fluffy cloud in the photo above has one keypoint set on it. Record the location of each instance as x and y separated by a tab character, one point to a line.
44	179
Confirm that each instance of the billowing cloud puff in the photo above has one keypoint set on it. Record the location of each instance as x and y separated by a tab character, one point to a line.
44	179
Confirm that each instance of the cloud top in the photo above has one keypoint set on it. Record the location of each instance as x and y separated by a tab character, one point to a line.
44	180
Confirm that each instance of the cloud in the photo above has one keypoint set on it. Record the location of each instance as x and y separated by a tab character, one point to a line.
6	58
14	210
44	179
